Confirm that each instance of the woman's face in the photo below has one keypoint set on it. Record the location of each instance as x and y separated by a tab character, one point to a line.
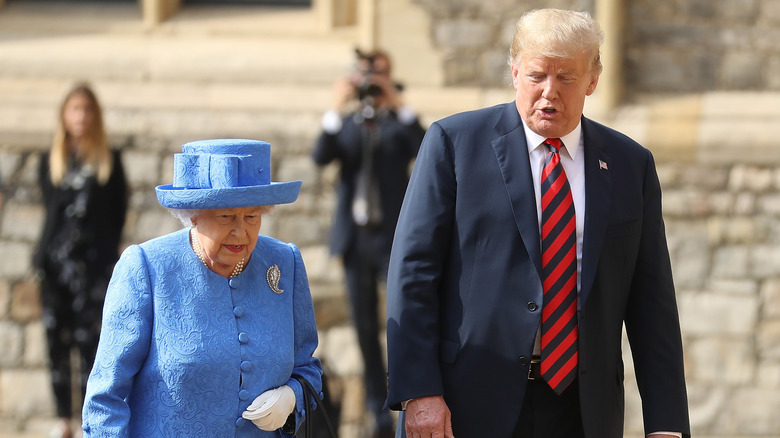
78	116
227	235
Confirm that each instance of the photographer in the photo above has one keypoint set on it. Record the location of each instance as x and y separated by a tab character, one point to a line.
374	137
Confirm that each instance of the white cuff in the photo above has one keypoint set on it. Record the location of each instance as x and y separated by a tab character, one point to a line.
406	114
331	122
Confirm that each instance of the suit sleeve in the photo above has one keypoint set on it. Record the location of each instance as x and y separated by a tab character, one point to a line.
124	343
417	263
326	149
652	322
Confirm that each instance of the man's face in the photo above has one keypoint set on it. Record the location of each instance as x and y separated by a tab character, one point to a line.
379	68
550	92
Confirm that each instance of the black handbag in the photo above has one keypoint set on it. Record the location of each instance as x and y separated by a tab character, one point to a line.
308	393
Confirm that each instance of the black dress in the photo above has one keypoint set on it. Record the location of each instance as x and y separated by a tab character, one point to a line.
78	248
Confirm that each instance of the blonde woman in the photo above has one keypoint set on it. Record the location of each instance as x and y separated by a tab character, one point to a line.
84	193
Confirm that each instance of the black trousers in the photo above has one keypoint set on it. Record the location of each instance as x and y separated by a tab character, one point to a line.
68	328
546	414
364	267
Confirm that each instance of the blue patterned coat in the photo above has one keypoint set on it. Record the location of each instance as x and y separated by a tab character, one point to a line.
183	351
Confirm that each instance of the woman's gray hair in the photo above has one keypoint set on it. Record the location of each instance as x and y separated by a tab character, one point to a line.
185	215
557	33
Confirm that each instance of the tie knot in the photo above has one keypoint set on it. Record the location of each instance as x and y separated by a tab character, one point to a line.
554	144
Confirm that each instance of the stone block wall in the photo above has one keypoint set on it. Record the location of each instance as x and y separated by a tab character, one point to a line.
700	45
474	36
26	402
723	231
721	200
668	45
723	225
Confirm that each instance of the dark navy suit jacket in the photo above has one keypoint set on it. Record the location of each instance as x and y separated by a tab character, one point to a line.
464	288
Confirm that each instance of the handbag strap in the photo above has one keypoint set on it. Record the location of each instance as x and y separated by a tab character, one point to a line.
308	393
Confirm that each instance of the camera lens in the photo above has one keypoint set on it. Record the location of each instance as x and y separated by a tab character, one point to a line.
368	89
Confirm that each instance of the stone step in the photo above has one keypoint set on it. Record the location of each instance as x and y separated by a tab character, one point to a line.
201	44
28	107
208	71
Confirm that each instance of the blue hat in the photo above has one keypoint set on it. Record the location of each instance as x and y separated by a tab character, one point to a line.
224	174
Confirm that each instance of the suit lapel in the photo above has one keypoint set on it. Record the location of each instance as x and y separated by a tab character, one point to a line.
598	194
513	161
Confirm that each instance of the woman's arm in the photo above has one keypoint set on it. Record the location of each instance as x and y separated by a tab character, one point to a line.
306	365
124	344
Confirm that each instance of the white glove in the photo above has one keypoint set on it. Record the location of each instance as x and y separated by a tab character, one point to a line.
269	411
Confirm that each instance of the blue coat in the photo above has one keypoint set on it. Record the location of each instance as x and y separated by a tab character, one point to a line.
183	351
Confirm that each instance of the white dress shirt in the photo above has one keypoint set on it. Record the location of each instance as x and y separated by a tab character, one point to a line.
573	161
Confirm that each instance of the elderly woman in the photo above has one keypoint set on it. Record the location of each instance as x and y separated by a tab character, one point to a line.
204	328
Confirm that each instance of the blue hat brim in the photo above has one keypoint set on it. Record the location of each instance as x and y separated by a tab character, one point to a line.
233	197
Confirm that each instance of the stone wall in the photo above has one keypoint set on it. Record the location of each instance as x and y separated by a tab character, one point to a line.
474	36
723	226
721	199
702	45
26	402
669	45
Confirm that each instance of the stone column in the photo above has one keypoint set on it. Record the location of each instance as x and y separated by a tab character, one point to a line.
157	11
367	24
335	13
611	16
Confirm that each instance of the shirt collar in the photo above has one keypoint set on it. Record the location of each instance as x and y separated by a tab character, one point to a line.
571	141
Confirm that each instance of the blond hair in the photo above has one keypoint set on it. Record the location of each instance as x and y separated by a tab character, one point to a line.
93	148
557	33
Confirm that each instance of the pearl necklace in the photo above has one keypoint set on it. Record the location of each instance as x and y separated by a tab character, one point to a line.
239	268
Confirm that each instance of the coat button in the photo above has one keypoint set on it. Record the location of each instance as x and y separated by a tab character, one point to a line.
243	338
243	394
240	422
246	366
523	360
533	307
238	311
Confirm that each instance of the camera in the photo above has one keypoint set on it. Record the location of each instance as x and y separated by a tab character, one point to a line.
366	87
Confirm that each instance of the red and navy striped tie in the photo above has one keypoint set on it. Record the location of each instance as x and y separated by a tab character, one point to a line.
559	274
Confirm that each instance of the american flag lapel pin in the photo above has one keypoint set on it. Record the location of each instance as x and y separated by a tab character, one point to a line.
603	165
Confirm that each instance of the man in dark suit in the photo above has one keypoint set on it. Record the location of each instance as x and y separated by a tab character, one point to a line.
375	143
529	236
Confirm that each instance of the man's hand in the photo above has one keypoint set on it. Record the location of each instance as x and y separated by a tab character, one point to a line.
428	417
343	92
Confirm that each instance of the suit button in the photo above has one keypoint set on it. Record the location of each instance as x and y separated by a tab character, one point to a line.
523	360
533	307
